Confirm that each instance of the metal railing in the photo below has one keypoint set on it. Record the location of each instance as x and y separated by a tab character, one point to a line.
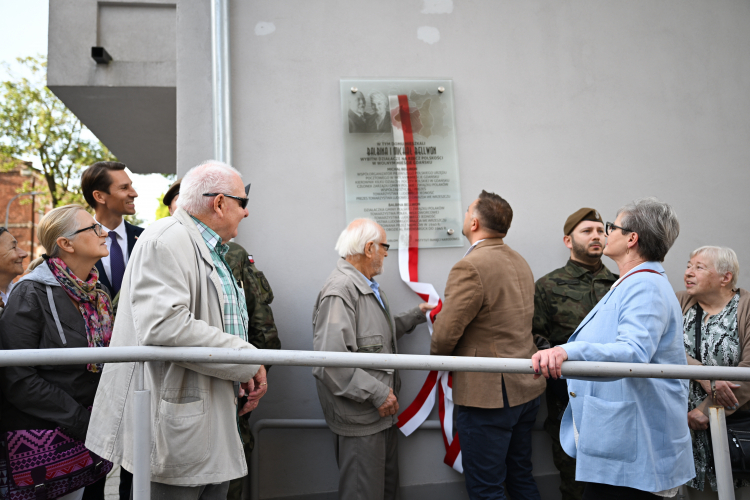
142	399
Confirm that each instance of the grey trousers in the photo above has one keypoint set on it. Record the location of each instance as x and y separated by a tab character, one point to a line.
368	466
160	491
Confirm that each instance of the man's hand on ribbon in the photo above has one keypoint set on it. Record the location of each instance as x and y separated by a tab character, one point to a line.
424	307
254	389
390	407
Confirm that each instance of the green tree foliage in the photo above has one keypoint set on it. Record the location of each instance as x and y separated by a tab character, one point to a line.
162	210
35	123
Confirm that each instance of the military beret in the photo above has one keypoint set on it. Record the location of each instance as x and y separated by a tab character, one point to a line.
581	215
174	190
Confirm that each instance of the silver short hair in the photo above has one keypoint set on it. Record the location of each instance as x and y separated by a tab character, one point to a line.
378	97
357	234
723	259
656	224
211	176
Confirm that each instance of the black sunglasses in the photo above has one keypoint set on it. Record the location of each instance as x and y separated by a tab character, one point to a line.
385	245
609	227
98	229
243	201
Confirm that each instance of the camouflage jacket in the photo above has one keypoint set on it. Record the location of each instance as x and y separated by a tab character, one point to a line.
564	297
262	331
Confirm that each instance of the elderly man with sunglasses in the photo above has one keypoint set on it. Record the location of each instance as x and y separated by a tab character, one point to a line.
178	290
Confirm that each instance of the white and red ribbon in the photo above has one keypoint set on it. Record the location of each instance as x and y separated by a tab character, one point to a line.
408	259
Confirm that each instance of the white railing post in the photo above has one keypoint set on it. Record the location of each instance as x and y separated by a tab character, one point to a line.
722	464
142	438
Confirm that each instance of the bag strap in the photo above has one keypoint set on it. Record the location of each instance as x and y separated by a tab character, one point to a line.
698	330
54	315
640	271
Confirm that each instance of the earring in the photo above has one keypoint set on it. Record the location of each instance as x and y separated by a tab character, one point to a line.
627	251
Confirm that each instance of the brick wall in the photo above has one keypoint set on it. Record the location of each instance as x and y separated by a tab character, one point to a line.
23	214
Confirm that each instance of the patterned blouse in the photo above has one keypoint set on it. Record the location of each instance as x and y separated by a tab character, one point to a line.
720	346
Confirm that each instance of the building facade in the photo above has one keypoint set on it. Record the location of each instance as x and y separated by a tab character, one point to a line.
559	105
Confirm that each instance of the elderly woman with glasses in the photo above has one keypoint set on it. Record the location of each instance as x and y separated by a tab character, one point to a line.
629	436
716	324
60	304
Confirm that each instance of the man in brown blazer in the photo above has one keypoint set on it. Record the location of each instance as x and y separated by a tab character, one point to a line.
487	312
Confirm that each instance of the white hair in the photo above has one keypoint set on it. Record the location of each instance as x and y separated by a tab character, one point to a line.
353	239
211	176
724	261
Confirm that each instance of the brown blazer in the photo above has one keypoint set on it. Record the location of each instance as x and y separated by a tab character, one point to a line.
487	312
743	326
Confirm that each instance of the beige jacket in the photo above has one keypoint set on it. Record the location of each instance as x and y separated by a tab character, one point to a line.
348	318
487	312
172	296
743	325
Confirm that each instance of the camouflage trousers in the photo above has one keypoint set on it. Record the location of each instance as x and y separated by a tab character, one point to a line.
569	487
235	485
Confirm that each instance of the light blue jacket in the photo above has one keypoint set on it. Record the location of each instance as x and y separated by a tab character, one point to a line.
632	431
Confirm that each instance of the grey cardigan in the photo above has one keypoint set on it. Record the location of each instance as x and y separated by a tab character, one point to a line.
348	318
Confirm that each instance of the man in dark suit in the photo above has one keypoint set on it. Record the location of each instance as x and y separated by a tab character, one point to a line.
487	312
109	190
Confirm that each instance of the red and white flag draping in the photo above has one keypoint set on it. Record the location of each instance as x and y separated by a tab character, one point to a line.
440	383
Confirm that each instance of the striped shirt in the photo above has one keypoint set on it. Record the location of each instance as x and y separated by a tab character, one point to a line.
235	308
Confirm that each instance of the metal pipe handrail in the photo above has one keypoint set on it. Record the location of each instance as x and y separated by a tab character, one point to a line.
142	439
32	357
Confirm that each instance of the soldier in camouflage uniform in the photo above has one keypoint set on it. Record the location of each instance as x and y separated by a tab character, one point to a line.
261	328
261	332
562	299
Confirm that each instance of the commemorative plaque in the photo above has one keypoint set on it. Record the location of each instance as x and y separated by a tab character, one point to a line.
375	161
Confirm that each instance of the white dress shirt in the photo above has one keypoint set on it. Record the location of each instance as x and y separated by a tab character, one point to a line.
122	239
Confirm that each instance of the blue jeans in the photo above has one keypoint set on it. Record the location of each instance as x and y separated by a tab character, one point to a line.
496	448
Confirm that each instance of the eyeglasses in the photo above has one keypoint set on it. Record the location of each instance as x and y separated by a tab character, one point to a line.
609	227
98	229
243	201
385	245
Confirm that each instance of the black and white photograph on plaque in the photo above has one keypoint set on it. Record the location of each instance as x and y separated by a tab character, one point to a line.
369	115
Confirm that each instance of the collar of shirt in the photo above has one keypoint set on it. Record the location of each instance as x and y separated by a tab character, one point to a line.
375	288
213	240
626	275
472	246
119	230
4	295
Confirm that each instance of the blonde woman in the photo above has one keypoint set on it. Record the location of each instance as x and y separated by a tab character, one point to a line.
60	304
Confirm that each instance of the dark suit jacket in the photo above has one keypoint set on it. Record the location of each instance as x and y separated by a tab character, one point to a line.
132	232
487	312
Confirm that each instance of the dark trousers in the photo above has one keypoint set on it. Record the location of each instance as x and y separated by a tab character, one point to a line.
557	401
95	491
596	491
161	491
126	483
496	448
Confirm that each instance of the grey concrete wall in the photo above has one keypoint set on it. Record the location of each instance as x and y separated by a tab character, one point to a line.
130	103
559	104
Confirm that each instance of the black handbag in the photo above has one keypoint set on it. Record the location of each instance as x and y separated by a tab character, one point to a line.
738	423
738	434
